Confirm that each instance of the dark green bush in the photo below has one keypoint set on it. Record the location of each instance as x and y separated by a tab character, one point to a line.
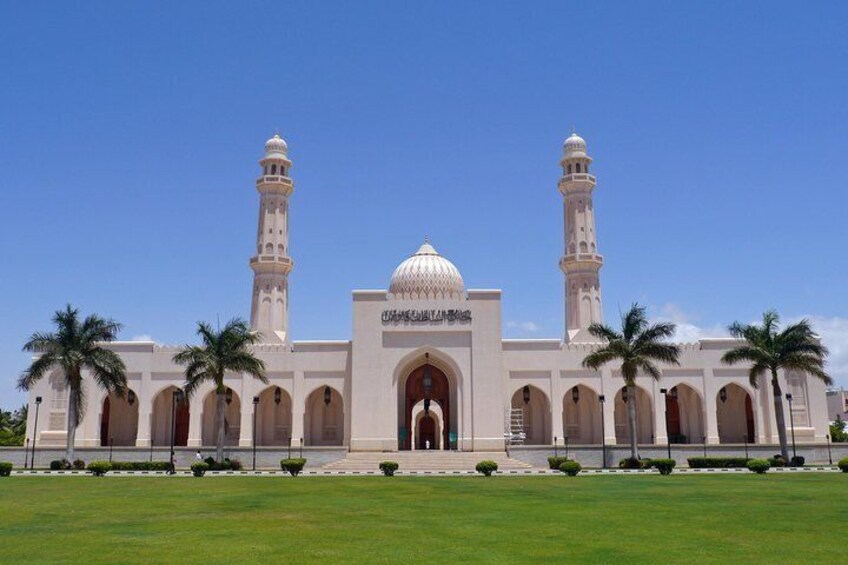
78	464
294	465
5	469
487	467
570	468
797	461
556	462
664	466
388	468
843	465
778	461
631	463
226	465
99	468
199	468
140	466
717	462
759	466
60	465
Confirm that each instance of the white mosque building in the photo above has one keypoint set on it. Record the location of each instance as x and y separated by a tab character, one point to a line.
427	364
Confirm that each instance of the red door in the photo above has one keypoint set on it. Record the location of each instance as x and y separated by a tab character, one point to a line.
426	432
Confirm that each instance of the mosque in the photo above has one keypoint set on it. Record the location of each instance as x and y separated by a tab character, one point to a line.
427	366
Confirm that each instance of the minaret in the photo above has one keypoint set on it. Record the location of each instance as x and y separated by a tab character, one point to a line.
269	312
581	261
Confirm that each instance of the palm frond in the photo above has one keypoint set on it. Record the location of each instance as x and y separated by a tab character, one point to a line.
37	370
665	352
604	332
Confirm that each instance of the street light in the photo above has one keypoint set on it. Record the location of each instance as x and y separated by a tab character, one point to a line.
565	440
664	392
327	394
228	396
525	392
111	445
255	406
175	399
829	456
601	399
791	424
34	432
556	454
722	394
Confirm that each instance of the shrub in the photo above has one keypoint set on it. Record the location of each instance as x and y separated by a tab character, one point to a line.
5	469
843	465
778	461
717	462
99	468
294	465
199	468
487	467
59	465
631	463
226	465
759	466
797	461
141	466
388	468
79	464
664	466
556	462
570	468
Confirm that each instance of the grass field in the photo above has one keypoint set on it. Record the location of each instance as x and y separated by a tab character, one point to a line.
626	519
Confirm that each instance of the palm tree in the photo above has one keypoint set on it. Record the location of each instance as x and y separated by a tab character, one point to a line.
637	346
769	350
75	346
225	350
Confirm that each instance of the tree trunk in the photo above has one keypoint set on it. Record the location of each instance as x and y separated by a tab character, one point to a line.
631	417
220	407
72	425
778	415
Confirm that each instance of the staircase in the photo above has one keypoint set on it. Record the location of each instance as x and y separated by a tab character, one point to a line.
433	461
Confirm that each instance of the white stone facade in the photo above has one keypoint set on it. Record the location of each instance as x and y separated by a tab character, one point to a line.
427	365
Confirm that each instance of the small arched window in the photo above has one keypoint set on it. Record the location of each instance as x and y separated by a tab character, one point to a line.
274	169
265	171
282	170
578	167
586	168
569	169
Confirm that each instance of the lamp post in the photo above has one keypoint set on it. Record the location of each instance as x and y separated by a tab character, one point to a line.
555	447
601	399
176	398
791	424
255	408
26	454
664	392
111	445
704	439
34	432
565	440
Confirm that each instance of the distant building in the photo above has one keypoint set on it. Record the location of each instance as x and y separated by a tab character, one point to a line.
837	404
427	364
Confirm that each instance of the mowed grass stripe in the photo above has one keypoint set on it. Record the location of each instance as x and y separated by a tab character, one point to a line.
703	518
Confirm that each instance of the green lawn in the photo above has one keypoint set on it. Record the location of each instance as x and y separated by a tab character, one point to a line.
721	519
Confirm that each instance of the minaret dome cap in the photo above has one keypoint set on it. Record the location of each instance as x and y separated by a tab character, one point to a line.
574	146
276	146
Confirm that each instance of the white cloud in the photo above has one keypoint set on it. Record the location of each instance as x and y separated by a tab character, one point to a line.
833	332
525	327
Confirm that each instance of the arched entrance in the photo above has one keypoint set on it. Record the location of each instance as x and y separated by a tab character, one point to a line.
274	417
232	419
429	384
119	420
427	429
644	417
684	410
537	414
162	424
734	415
581	415
324	417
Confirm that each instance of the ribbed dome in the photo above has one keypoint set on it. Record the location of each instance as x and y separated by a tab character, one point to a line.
574	146
276	145
426	275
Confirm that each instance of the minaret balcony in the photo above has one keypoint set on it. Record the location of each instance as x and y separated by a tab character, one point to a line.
580	261
271	264
276	183
575	177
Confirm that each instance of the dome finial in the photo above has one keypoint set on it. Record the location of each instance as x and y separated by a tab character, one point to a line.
426	239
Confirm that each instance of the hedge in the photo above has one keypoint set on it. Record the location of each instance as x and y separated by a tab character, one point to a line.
664	466
570	468
717	462
843	465
556	462
5	468
388	468
486	467
60	465
759	466
630	463
99	468
199	468
141	466
226	465
294	465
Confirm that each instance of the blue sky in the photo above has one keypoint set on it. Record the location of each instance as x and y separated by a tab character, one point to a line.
129	135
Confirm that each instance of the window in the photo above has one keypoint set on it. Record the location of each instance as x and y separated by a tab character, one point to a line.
578	167
569	169
273	169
